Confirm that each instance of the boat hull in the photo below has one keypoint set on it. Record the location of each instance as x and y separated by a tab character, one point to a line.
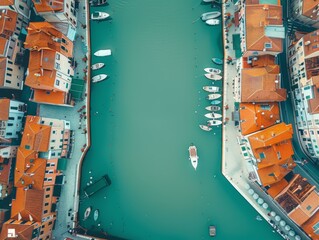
212	70
213	115
205	128
213	96
212	22
103	53
97	66
211	89
215	102
193	156
211	76
212	108
217	61
214	122
99	78
210	15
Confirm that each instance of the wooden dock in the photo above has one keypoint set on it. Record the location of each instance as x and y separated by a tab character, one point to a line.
97	186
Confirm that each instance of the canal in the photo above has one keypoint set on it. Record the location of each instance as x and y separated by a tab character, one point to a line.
145	116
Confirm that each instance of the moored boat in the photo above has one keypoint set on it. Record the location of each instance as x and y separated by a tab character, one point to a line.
213	76
211	88
214	122
96	215
87	212
97	66
212	22
215	102
96	3
99	78
213	70
212	108
99	15
193	155
218	61
213	96
213	115
205	128
210	15
103	53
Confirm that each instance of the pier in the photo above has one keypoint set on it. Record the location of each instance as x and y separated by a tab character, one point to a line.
97	186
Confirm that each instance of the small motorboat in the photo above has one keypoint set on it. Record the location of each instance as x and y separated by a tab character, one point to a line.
212	108
96	215
193	155
218	61
213	115
103	53
212	22
97	66
87	212
215	102
99	15
213	70
213	76
205	128
208	1
214	122
96	3
211	89
213	96
210	15
99	78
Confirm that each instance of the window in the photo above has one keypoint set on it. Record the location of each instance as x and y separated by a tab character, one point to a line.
57	66
57	82
8	81
45	211
316	227
14	108
57	57
21	7
268	45
265	106
66	85
50	223
11	118
27	147
262	155
46	204
47	196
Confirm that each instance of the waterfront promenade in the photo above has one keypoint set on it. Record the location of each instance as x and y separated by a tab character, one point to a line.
234	166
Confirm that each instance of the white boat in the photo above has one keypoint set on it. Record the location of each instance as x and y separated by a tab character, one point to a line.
213	115
193	155
213	96
97	66
213	76
103	53
210	15
207	1
212	108
214	122
87	212
212	22
213	70
99	15
205	128
96	215
99	78
211	88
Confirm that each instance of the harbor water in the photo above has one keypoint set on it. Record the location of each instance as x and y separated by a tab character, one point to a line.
145	116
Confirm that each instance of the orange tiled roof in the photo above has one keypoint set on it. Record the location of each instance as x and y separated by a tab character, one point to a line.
8	20
3	45
44	96
277	187
35	136
5	172
257	18
4	109
308	226
308	7
3	66
248	2
23	231
29	169
255	117
311	43
258	85
28	202
6	2
44	6
44	35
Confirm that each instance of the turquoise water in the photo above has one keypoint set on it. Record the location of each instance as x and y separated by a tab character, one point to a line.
145	116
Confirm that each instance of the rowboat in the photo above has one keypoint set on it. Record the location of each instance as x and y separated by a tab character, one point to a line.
212	108
193	155
213	96
103	53
205	128
217	61
99	15
213	115
214	122
210	15
211	88
87	212
212	22
96	215
99	78
97	66
213	76
215	102
213	70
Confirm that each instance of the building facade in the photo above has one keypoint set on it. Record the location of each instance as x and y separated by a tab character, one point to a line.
305	12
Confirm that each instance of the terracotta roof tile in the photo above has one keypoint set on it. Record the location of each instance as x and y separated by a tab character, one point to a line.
44	6
8	20
3	66
277	187
6	2
308	7
309	226
23	231
4	109
51	97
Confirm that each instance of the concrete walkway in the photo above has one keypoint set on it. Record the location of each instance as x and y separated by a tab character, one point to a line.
235	167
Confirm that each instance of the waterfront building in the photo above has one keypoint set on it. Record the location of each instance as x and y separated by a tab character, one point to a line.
300	200
261	28
50	76
270	152
22	7
304	75
11	115
305	12
12	58
62	11
7	159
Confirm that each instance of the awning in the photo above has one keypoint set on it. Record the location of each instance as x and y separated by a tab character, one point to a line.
237	19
